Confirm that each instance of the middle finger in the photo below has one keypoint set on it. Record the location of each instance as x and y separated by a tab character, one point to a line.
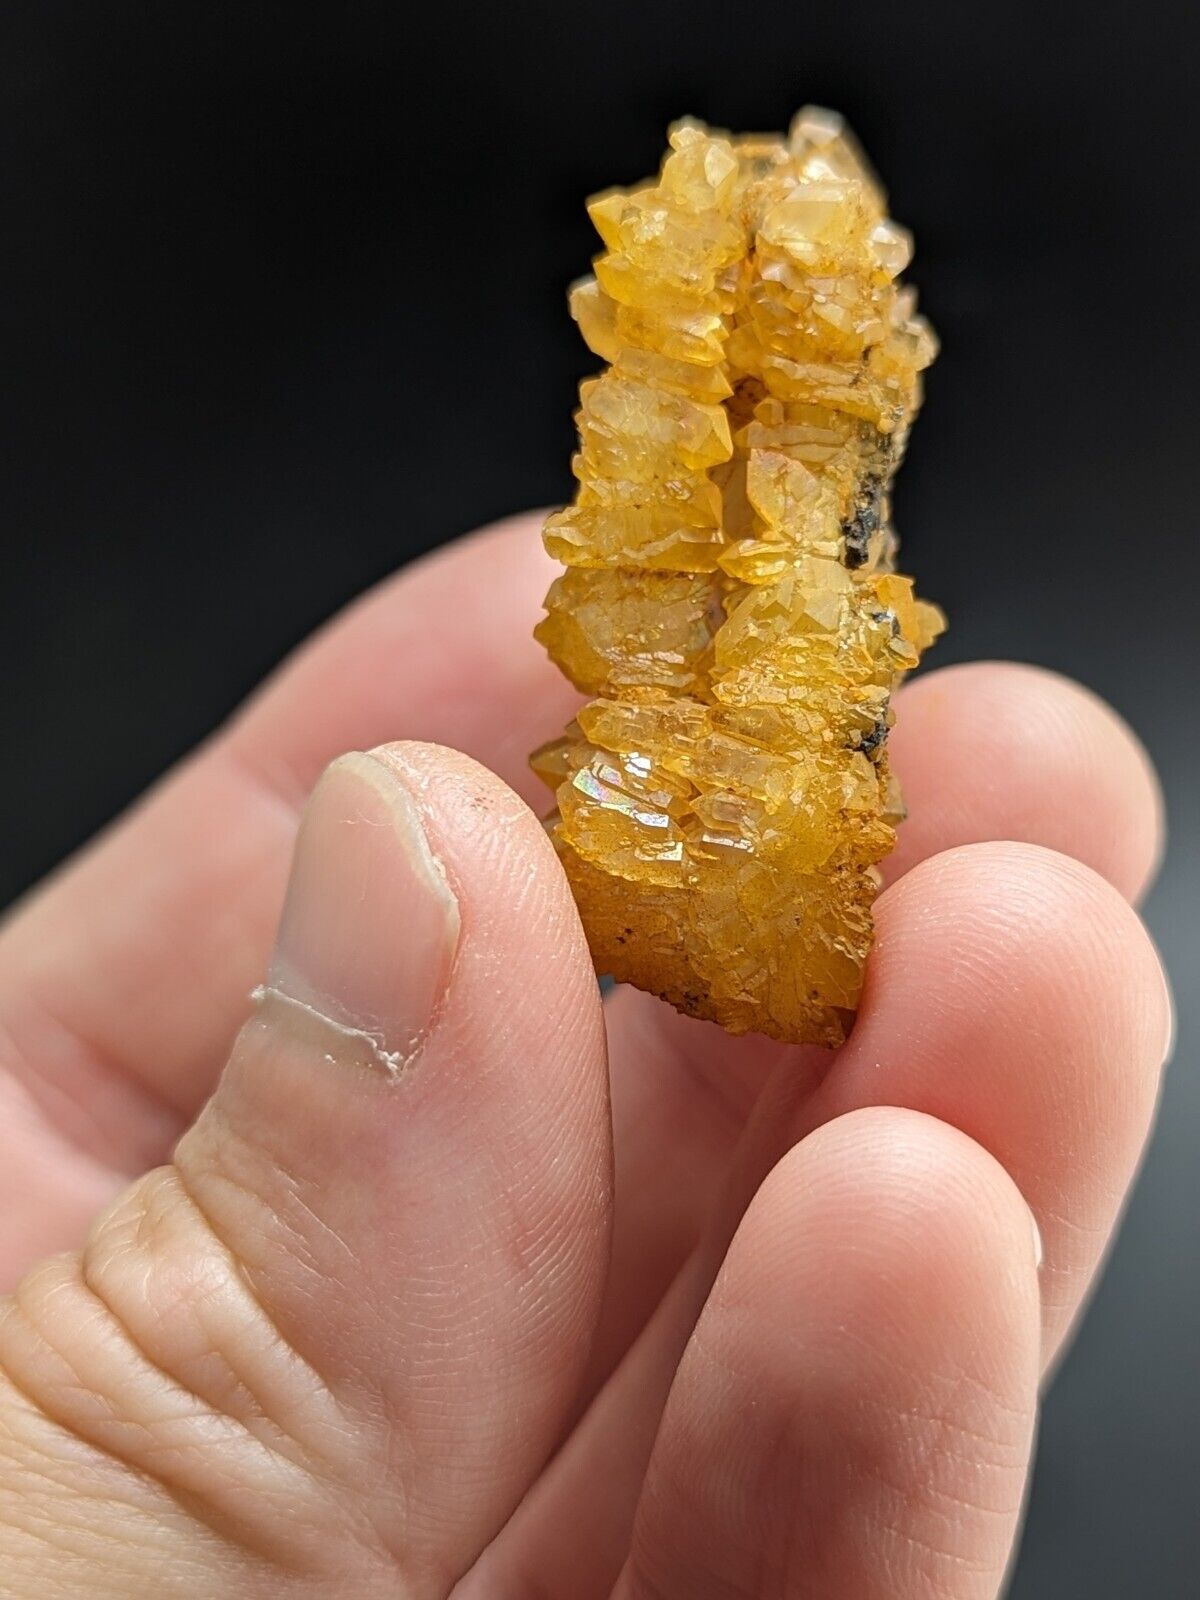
985	751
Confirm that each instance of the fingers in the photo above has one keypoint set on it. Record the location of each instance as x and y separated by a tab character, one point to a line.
442	652
123	981
996	750
990	751
853	1416
343	1329
1013	995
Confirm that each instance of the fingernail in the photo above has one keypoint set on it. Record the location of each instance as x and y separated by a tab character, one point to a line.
370	924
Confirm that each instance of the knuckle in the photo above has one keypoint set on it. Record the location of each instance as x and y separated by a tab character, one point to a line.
147	1362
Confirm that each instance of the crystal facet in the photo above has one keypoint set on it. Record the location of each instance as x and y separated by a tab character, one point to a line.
729	601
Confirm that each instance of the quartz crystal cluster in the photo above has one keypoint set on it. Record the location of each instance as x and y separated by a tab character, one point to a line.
729	602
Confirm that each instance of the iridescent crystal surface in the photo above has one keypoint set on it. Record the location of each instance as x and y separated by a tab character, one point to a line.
729	602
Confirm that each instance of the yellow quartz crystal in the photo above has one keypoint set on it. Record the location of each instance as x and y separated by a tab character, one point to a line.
729	601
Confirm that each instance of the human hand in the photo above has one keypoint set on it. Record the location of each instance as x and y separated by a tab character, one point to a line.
386	1324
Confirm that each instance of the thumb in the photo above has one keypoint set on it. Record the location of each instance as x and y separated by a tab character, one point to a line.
328	1348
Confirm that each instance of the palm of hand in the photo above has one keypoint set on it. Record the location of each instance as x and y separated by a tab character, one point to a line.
378	1332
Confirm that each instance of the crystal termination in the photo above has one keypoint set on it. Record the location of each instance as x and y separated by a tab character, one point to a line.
729	601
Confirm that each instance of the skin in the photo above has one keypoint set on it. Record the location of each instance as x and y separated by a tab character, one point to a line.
583	1302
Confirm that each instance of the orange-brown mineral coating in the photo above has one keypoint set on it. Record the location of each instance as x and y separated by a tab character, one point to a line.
729	600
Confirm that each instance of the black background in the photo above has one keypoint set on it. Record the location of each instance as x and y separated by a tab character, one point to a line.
282	304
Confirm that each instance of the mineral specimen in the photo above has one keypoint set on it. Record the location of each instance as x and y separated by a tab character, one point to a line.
729	601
